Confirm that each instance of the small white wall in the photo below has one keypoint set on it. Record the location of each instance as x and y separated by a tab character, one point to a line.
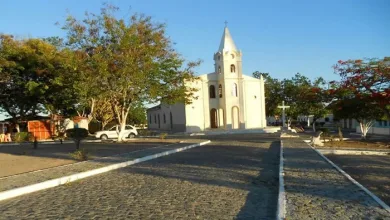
375	130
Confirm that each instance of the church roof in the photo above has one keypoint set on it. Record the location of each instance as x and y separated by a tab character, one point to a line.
227	42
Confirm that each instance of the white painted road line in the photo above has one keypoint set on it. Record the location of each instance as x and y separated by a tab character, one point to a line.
373	196
67	179
281	211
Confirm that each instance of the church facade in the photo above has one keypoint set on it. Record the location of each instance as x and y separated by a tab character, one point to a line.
227	99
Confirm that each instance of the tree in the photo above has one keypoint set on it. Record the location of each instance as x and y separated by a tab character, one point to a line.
361	108
131	60
305	97
33	73
367	77
273	93
103	112
137	114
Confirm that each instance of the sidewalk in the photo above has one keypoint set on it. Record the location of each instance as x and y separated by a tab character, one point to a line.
26	179
316	190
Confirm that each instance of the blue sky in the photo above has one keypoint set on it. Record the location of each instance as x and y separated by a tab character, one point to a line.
279	37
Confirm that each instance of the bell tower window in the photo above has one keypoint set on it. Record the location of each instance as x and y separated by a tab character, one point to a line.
234	90
232	68
212	92
220	91
219	69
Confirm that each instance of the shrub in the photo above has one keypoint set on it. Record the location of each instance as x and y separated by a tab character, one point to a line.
77	134
24	137
163	135
144	132
81	155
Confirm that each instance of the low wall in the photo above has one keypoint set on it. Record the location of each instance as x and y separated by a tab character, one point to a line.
375	130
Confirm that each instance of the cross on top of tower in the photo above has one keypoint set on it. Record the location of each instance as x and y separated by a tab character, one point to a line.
226	23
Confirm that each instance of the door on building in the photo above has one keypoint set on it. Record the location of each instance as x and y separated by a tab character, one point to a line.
235	118
213	118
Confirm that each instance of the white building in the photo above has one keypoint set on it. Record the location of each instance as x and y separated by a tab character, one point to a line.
227	99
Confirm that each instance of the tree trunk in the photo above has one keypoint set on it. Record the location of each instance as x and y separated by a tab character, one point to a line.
104	123
78	144
121	131
314	126
341	138
365	127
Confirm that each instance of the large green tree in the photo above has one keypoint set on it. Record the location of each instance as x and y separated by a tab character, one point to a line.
131	60
35	78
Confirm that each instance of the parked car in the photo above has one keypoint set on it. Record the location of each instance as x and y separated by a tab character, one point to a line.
130	132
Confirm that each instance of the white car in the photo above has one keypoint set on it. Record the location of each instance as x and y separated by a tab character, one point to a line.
130	132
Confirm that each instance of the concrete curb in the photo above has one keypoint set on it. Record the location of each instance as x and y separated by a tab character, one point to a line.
67	179
354	152
48	142
281	210
372	195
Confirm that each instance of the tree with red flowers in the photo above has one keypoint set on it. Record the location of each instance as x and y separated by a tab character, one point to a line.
369	77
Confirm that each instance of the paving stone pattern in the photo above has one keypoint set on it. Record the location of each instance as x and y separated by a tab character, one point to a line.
371	171
228	179
20	180
315	190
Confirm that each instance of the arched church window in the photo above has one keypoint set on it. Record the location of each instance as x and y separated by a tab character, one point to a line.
220	91
219	69
212	92
234	90
232	68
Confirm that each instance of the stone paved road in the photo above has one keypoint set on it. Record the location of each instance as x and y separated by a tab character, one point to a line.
25	179
232	178
373	172
315	190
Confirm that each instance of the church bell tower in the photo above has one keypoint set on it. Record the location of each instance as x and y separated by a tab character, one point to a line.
228	67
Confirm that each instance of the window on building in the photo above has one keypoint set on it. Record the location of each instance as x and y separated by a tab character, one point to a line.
219	69
150	119
234	90
165	120
212	92
232	68
232	56
385	123
155	119
220	91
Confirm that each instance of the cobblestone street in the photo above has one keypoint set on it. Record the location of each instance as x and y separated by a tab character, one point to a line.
236	176
315	190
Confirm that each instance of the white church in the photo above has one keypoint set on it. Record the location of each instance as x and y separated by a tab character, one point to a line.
227	99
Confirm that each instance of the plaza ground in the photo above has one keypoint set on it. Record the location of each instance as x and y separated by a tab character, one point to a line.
23	158
373	172
234	177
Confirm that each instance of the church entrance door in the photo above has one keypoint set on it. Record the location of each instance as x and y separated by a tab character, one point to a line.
213	118
235	118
